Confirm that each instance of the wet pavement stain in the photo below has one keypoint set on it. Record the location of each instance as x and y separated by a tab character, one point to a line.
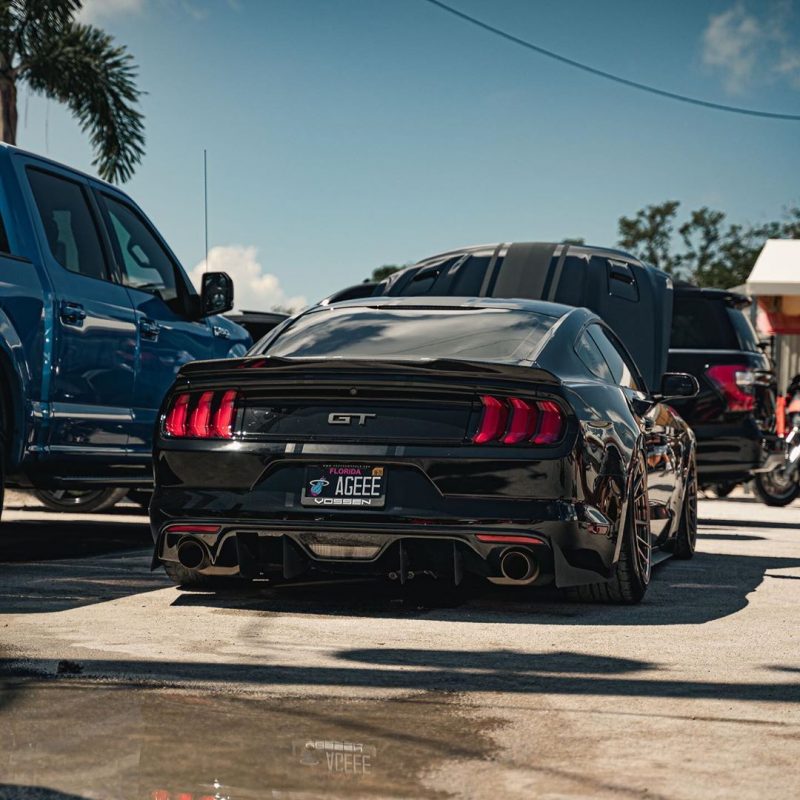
72	738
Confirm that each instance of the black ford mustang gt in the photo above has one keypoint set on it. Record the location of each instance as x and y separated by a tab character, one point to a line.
511	439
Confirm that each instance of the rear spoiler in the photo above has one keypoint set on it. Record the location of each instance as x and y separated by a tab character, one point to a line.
248	369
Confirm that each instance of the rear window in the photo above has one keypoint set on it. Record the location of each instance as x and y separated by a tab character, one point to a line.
485	334
748	338
700	323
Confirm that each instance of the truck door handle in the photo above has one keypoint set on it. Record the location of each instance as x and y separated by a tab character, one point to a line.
149	329
72	314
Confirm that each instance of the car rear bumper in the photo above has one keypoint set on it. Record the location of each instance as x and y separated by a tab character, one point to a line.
729	451
573	545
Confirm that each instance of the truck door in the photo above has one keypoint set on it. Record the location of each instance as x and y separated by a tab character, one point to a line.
166	308
94	336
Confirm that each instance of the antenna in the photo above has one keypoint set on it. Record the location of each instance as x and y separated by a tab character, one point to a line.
205	198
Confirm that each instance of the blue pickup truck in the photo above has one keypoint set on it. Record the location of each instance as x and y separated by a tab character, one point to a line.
96	317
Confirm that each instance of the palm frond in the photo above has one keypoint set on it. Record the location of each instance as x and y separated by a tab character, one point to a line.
82	67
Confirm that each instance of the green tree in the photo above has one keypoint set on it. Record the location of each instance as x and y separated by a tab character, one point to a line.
42	46
707	250
379	273
649	235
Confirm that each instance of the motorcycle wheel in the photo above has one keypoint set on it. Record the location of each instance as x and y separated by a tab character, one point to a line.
775	488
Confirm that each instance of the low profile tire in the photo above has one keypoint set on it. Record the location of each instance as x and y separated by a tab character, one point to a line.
775	489
632	576
78	501
686	537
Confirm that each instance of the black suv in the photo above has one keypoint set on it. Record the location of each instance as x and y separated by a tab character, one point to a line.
733	416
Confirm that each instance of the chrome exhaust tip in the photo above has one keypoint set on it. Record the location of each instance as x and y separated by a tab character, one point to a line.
192	554
518	566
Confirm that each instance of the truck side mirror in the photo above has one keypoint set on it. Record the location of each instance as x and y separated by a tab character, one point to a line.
216	294
678	384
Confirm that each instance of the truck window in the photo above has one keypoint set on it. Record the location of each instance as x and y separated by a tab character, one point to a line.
146	265
68	224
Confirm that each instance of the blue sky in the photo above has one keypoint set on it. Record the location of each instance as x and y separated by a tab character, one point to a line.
344	134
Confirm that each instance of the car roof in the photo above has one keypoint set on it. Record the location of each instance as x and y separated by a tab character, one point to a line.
734	299
555	310
13	149
491	247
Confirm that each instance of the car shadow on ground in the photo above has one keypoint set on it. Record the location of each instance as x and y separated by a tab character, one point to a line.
501	671
57	565
708	587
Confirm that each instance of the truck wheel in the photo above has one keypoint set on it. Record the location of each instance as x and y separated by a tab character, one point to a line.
632	577
775	488
78	501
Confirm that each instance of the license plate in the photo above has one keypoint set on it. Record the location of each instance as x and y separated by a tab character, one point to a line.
349	485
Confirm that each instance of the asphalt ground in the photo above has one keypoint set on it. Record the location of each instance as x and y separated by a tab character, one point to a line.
114	684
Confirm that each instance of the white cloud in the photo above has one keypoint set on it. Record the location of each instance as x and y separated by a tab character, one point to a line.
750	49
254	289
98	10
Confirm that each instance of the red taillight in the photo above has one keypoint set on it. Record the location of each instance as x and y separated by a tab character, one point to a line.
493	420
551	425
515	421
188	528
208	415
175	423
736	382
524	417
505	538
201	417
223	419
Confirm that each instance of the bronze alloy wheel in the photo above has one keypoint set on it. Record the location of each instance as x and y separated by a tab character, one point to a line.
632	575
640	525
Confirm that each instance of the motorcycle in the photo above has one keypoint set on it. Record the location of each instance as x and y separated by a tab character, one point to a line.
781	486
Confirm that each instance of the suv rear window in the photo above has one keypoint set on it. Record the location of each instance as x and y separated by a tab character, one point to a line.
702	323
488	334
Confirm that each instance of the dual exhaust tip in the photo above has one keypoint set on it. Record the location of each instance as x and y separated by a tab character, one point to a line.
518	566
192	554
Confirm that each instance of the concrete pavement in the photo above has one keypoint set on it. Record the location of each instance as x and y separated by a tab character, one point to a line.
115	684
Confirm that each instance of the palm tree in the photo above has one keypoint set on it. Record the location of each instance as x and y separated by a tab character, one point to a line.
42	46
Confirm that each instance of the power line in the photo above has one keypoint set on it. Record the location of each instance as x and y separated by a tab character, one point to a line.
751	112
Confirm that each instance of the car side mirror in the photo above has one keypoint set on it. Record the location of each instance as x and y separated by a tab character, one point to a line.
216	293
678	384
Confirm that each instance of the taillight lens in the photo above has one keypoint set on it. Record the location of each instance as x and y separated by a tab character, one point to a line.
201	417
736	382
208	415
512	420
175	423
493	420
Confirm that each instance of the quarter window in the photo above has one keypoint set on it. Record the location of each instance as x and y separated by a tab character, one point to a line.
623	372
590	354
68	224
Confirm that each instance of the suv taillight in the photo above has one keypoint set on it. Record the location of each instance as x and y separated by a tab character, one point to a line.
511	420
736	382
208	415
